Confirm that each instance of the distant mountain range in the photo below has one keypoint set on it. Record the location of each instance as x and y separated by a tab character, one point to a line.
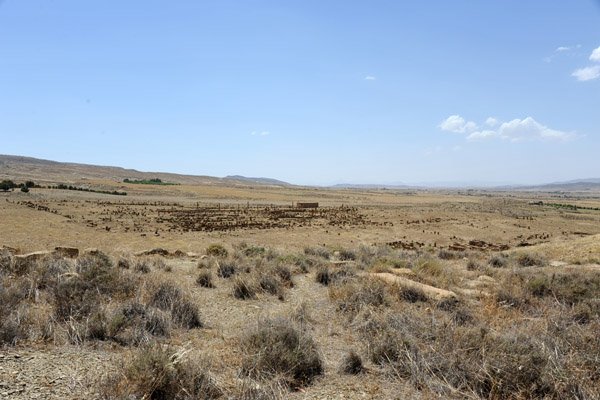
21	168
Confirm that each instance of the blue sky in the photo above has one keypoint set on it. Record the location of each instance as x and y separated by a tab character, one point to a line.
311	92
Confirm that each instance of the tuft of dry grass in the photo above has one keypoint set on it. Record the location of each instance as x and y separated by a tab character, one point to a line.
168	297
162	372
278	348
351	364
205	279
354	295
245	287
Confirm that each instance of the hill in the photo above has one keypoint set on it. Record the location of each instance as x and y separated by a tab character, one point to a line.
19	168
256	180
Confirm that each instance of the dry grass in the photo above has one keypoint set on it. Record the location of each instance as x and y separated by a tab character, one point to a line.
280	349
161	372
534	335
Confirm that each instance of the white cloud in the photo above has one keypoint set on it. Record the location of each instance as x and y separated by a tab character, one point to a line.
587	73
491	121
595	56
528	129
456	148
517	130
562	48
370	78
480	136
457	124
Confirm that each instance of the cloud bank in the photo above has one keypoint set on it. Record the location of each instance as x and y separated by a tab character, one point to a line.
517	130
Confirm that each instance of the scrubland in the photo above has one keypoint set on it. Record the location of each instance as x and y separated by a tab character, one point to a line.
251	322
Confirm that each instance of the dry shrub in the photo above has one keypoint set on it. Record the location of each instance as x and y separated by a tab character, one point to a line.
216	250
226	269
280	348
346	255
270	284
323	275
473	265
569	288
284	274
160	372
124	263
326	276
351	364
410	294
352	296
205	279
95	280
168	297
133	322
523	259
206	263
245	287
427	267
498	260
439	353
142	266
301	263
250	250
447	255
317	252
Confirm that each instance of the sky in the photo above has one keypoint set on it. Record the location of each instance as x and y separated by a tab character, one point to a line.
309	92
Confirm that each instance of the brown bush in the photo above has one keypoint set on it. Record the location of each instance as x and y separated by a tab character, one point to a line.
352	296
160	372
244	287
351	364
168	297
280	348
205	279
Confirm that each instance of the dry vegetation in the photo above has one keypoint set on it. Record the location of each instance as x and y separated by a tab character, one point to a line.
528	331
394	295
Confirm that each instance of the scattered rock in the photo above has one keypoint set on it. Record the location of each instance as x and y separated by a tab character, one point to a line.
35	256
70	252
10	250
92	251
159	251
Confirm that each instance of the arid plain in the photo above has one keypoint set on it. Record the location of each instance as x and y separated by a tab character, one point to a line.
407	293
